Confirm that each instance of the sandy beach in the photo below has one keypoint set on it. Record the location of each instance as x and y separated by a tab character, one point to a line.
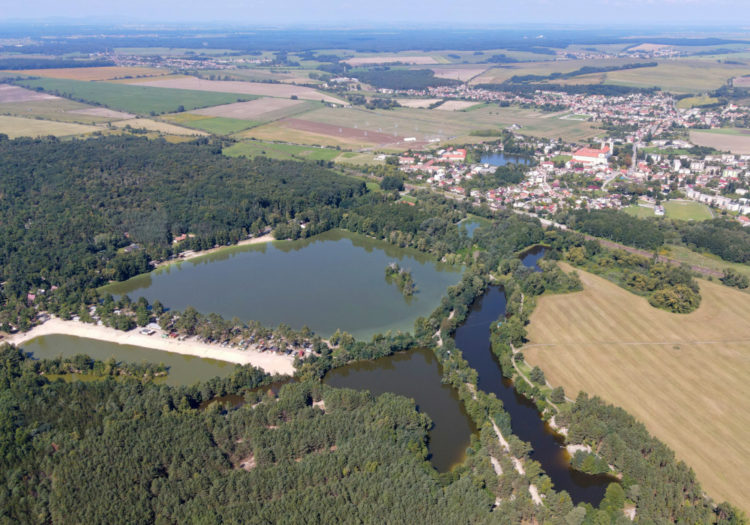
269	362
186	256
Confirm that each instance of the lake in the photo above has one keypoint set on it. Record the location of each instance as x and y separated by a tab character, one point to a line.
531	257
183	369
330	281
416	374
500	159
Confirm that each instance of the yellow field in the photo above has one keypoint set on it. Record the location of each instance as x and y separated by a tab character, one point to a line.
684	376
96	73
26	127
155	125
733	140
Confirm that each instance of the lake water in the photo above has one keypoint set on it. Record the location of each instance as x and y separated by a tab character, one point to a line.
469	227
416	374
330	281
473	338
183	369
532	256
500	159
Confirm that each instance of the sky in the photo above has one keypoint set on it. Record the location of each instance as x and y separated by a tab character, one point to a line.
479	13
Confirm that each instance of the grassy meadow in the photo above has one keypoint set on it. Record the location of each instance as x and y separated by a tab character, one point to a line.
141	100
683	376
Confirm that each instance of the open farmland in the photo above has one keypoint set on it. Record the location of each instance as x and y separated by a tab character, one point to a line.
215	125
280	151
734	140
457	105
96	73
26	127
498	75
10	93
155	125
257	109
246	88
58	109
137	99
683	376
679	76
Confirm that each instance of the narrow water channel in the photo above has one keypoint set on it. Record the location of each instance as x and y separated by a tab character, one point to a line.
473	338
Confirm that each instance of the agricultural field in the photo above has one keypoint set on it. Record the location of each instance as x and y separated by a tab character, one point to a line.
734	140
457	105
286	75
96	73
679	76
157	126
696	102
27	127
498	75
261	109
138	99
683	375
215	125
246	88
61	110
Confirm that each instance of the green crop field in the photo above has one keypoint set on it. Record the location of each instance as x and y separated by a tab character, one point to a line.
215	125
133	98
683	376
696	102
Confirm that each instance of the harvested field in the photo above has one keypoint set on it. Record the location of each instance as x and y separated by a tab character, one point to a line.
246	88
215	125
456	105
154	125
679	76
417	102
26	127
464	74
734	140
741	82
683	376
252	110
10	93
58	109
390	59
96	73
275	131
102	112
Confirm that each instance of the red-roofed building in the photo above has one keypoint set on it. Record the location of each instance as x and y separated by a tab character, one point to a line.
592	156
457	155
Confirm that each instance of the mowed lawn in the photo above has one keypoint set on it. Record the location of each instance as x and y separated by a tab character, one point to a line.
684	376
133	98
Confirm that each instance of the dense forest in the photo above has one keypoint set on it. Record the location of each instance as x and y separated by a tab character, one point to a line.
616	226
78	213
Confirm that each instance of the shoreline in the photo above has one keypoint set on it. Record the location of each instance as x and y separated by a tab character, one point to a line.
269	362
192	254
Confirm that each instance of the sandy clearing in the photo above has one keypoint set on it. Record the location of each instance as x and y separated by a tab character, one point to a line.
390	59
243	88
251	110
417	102
269	362
161	127
9	93
187	255
103	112
456	105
